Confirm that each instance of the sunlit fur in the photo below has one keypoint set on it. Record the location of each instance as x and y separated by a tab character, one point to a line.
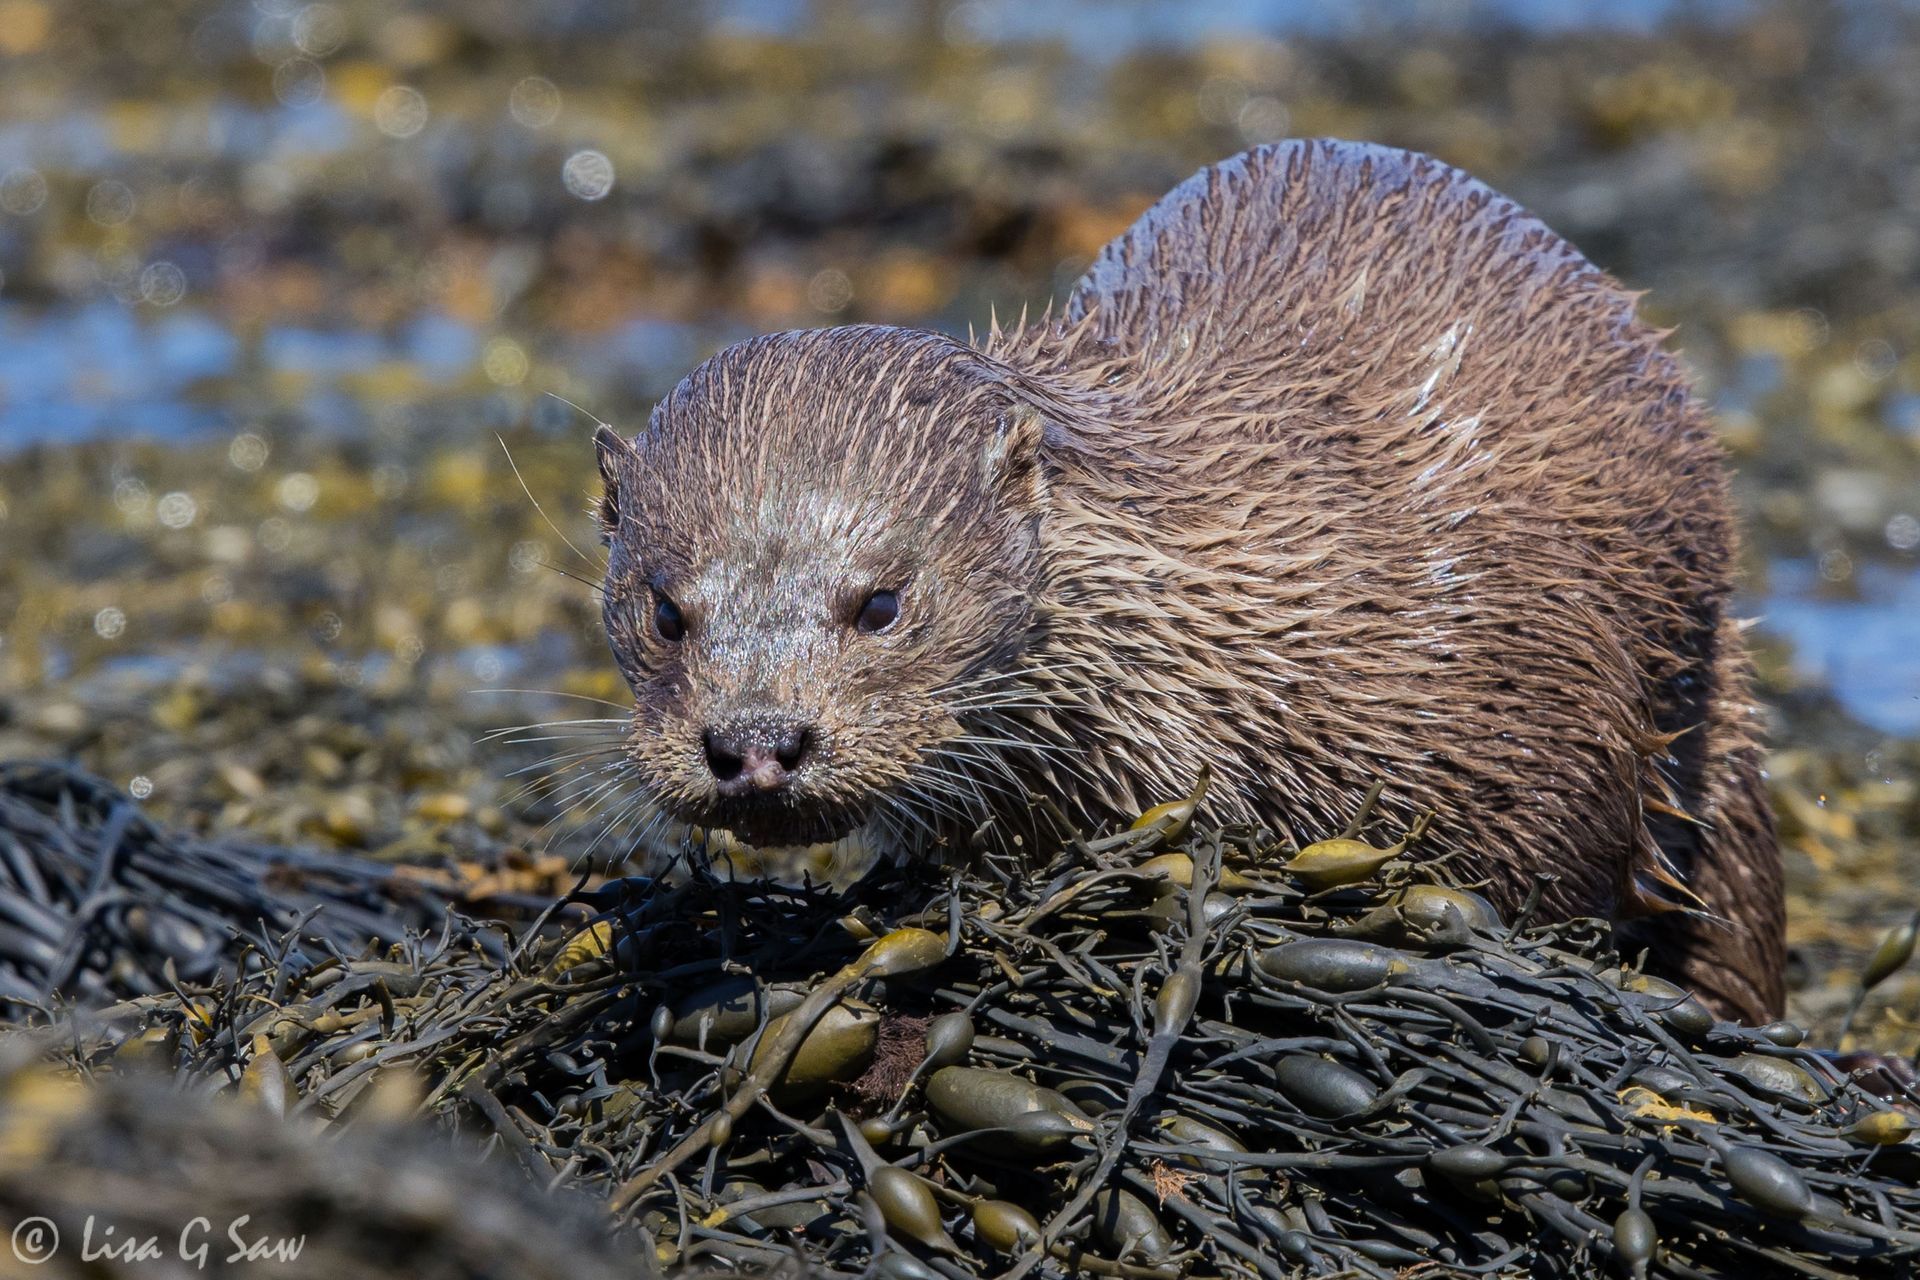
1337	467
776	488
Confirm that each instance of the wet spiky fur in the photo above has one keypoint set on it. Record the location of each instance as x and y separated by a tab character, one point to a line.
1337	467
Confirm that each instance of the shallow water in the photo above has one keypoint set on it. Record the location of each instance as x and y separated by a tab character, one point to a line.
1864	648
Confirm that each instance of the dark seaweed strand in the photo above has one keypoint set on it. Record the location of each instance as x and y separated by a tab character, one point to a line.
1341	1082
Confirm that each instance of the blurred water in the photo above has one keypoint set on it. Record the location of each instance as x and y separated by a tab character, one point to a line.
69	373
1097	28
104	370
1865	650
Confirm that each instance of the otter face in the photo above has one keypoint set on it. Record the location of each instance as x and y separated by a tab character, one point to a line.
820	546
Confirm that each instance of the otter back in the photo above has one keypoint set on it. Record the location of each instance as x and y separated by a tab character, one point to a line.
1361	471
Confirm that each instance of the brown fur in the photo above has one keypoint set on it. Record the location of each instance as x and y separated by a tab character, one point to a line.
1337	466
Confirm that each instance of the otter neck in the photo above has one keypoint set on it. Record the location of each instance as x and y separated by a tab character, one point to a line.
1130	548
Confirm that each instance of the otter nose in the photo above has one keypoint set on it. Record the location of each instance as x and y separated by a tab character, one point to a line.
756	755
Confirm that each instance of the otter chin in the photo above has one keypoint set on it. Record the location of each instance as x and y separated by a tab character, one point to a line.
775	823
1337	468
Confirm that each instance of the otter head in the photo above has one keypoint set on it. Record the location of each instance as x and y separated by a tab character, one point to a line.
822	547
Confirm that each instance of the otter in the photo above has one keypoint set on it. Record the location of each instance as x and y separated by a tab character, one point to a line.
1337	467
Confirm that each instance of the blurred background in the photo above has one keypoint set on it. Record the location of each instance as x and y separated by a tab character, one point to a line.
279	279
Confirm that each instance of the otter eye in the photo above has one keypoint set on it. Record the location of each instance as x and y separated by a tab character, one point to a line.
667	620
879	612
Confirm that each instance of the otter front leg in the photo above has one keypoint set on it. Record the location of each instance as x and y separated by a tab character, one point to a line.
1731	859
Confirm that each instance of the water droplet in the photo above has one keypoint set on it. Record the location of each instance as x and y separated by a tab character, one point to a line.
110	203
1875	359
132	497
248	452
534	102
22	191
1903	532
588	174
400	112
318	30
830	291
297	491
527	557
299	82
970	23
119	271
1262	119
177	510
275	534
1221	98
162	284
505	362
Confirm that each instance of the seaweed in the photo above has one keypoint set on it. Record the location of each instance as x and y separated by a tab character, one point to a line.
98	903
1157	1053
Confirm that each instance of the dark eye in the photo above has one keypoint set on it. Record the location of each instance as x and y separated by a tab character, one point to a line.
878	613
667	620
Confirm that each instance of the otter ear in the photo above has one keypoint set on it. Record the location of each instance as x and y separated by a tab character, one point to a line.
1012	459
611	451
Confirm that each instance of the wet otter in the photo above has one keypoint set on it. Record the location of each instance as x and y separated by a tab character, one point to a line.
1338	466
